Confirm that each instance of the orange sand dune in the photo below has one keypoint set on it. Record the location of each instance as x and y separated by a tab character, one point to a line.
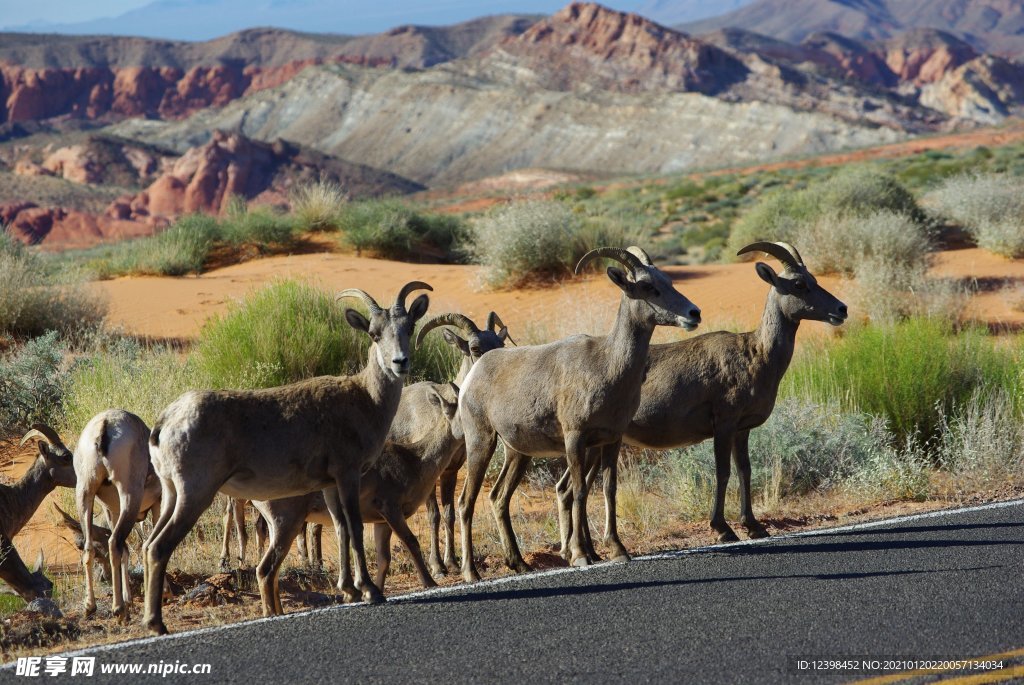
730	295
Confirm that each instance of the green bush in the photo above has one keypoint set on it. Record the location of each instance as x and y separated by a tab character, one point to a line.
842	243
32	381
180	249
119	372
394	230
851	192
260	226
35	298
912	374
989	206
284	332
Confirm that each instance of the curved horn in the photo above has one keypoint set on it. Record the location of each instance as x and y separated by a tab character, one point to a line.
406	289
41	430
624	257
448	319
639	253
367	300
784	252
494	320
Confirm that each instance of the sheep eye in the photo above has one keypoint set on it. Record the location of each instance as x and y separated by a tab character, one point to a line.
799	285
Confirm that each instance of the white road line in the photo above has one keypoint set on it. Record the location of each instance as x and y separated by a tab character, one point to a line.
449	589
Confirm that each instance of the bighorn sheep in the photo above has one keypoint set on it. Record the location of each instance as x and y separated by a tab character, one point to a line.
112	464
52	467
281	442
476	343
566	397
391	490
721	385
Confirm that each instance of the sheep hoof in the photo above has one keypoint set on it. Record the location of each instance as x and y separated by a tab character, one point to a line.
470	575
518	565
372	595
88	610
728	536
156	626
621	558
757	532
438	571
582	562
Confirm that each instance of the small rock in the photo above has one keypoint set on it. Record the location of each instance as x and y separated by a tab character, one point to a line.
44	606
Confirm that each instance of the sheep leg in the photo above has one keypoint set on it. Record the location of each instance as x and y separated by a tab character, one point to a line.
344	585
348	492
576	455
84	497
563	497
282	533
188	507
479	450
262	529
382	540
167	499
238	514
610	468
300	543
228	513
434	521
512	472
723	450
741	455
449	479
394	517
315	548
118	545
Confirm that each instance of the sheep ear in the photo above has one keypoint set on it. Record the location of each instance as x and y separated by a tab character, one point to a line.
40	562
767	273
619	278
357	320
459	343
419	307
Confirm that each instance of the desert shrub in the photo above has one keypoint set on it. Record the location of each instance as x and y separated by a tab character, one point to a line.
260	226
989	206
35	297
392	229
842	243
886	292
524	241
435	360
538	240
317	206
180	249
912	374
32	380
119	372
851	192
984	437
278	334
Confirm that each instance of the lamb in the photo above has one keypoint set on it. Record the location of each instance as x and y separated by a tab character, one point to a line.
281	442
565	397
111	462
393	488
52	467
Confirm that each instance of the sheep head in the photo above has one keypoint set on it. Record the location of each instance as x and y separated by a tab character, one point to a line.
389	329
645	282
801	297
54	456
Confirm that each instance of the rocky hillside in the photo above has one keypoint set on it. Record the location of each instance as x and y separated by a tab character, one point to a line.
991	26
44	76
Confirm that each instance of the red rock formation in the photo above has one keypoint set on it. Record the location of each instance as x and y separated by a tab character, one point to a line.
925	56
588	43
67	228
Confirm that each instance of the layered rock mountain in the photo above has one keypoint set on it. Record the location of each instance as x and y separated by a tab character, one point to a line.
991	26
44	76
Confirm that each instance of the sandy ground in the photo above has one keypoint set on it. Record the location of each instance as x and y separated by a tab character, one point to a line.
730	295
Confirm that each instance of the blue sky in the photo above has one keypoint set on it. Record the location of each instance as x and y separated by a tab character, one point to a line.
203	19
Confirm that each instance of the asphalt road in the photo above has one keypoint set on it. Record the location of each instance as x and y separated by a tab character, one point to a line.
948	586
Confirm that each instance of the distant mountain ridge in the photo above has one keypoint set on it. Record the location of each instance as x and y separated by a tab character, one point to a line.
992	26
